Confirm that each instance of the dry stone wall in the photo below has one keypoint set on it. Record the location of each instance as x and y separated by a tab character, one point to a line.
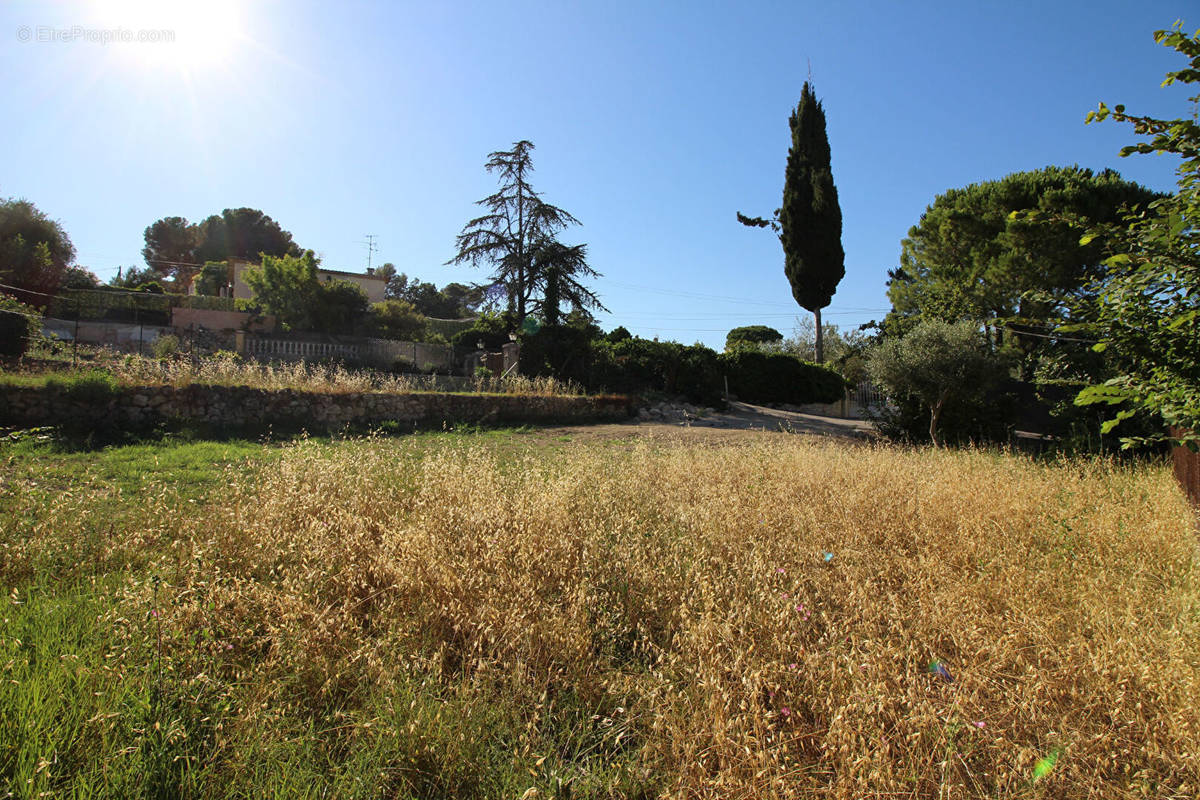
241	406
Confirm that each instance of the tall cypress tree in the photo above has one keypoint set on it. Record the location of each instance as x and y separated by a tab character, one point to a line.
810	220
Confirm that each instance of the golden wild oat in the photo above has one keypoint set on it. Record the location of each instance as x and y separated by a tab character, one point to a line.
229	369
777	619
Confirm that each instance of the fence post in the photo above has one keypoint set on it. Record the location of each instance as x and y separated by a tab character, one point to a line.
75	339
1186	465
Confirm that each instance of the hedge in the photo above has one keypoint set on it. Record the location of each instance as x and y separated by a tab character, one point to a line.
758	377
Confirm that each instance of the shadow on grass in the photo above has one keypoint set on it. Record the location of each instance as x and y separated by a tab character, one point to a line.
76	438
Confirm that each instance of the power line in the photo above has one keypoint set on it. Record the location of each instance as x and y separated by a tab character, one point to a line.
21	313
1055	336
696	295
742	300
685	316
107	291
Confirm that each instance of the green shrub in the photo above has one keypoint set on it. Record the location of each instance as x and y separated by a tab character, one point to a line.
639	365
166	345
618	334
624	363
560	351
207	303
19	325
396	319
491	329
758	377
95	386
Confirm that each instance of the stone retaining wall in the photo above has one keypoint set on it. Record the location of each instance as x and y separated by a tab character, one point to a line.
137	406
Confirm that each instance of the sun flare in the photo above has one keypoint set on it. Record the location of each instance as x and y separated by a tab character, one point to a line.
187	34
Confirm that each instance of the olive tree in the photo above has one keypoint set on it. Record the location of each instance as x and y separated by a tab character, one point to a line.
939	363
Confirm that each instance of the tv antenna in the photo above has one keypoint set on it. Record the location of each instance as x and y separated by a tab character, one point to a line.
371	248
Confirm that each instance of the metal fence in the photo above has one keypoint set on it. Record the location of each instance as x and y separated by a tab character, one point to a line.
117	305
125	337
866	395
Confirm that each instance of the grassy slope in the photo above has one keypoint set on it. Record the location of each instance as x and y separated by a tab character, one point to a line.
448	616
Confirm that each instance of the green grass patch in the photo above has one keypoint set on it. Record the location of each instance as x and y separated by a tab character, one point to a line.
191	469
63	379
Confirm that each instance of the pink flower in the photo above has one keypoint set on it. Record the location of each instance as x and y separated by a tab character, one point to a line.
784	595
785	711
780	570
980	725
792	665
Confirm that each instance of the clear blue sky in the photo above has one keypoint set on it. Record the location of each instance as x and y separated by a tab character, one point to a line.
654	122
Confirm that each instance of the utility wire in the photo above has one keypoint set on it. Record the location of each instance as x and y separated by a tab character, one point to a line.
1056	336
695	295
113	290
675	316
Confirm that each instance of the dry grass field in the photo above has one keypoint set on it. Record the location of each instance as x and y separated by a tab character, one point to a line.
454	616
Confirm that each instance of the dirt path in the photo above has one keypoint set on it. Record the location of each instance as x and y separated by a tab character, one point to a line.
739	422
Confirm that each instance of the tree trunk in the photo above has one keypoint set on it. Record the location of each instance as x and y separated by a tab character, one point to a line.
935	413
521	278
820	342
520	243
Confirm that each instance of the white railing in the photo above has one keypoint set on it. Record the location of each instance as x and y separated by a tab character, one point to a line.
380	352
300	349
